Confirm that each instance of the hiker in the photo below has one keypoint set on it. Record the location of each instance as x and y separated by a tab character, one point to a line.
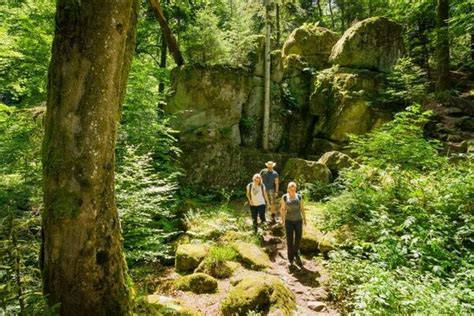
258	198
293	217
271	181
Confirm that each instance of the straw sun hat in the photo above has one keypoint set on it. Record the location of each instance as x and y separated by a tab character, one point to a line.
270	164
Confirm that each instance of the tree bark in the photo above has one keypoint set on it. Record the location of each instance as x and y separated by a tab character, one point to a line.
266	102
171	41
442	46
82	260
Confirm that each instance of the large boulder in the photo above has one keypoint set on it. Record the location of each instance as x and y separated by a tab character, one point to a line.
198	283
207	102
305	171
375	43
336	161
189	256
263	294
311	43
252	256
343	100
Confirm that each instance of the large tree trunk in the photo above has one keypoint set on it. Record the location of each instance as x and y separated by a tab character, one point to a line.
442	45
82	259
266	101
171	41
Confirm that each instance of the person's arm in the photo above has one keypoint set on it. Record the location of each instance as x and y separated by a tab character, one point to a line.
265	195
249	198
277	185
303	212
282	211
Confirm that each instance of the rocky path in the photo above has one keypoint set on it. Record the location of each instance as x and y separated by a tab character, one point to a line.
306	282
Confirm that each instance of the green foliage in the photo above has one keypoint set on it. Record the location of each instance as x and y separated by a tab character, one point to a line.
204	39
399	143
367	288
145	202
20	222
26	36
409	216
221	254
406	84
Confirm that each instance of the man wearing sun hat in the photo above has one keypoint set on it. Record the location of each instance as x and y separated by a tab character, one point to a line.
271	182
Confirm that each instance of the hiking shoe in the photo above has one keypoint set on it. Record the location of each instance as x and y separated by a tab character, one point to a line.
298	261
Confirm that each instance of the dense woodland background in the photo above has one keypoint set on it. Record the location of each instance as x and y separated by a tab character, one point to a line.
408	210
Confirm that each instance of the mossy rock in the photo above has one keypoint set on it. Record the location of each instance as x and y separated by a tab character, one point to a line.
336	161
218	269
326	243
309	242
189	256
198	283
375	43
252	256
167	306
263	293
305	171
313	43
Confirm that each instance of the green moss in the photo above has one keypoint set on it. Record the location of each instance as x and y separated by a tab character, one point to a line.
65	204
252	256
263	293
199	283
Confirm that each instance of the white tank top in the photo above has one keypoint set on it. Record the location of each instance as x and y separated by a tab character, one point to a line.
256	193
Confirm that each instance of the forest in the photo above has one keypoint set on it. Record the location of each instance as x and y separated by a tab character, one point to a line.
135	137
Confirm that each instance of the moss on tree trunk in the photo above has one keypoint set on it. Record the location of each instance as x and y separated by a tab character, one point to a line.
82	260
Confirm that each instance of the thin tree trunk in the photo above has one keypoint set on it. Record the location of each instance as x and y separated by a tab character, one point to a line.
82	260
472	47
266	104
442	45
171	41
332	15
320	11
163	55
278	32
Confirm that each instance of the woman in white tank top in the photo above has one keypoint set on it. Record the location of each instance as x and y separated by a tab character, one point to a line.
257	198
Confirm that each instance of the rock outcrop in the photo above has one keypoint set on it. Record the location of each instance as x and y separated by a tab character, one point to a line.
309	45
374	43
218	110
